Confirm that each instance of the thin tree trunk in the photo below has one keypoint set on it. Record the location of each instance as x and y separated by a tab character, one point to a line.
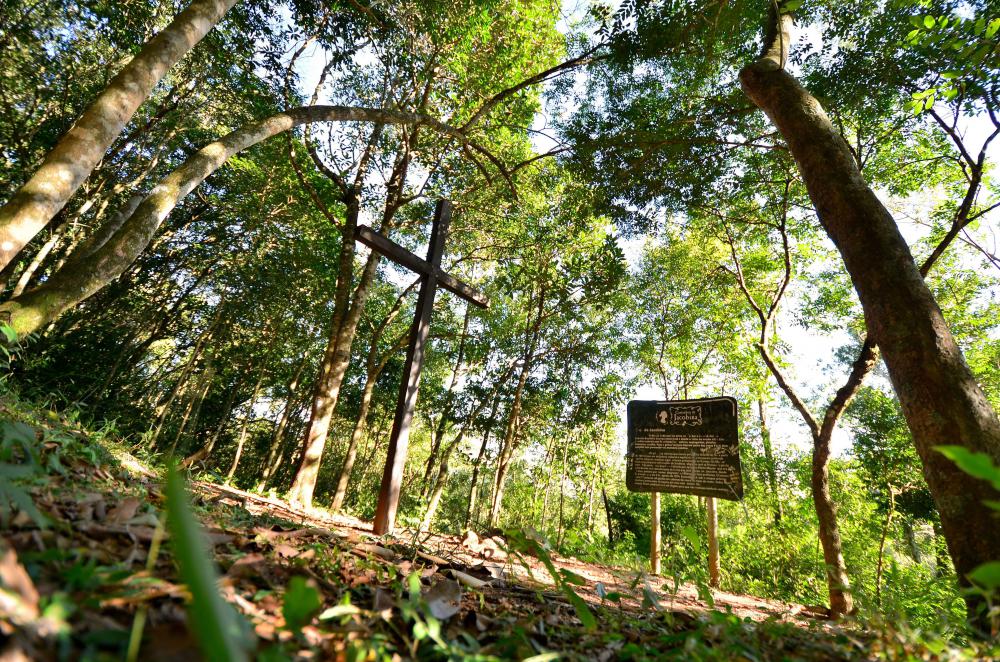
470	509
655	539
940	398
607	514
29	271
194	407
244	427
772	473
206	451
590	499
76	154
448	407
510	435
881	546
360	425
279	431
562	496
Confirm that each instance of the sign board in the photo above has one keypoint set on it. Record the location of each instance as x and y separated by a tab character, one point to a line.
684	447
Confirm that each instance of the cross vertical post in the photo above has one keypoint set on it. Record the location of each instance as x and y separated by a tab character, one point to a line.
392	476
431	276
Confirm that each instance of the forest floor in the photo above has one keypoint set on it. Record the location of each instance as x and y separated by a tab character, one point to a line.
78	576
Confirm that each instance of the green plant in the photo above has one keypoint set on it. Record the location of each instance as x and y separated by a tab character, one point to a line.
19	461
221	631
520	542
985	578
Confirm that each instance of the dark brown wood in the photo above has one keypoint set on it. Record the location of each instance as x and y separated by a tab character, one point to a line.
400	255
684	447
432	276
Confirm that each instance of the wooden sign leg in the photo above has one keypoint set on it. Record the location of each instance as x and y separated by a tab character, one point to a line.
392	476
713	542
655	538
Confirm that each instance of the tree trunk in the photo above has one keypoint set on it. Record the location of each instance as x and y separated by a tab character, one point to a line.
326	391
277	437
470	509
772	472
205	451
194	407
449	406
886	525
29	271
841	600
80	279
562	496
607	514
513	422
76	154
244	427
940	398
352	447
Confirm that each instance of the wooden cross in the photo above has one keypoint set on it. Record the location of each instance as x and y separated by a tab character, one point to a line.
431	276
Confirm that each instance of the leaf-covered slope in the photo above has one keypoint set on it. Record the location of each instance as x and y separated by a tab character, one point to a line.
76	574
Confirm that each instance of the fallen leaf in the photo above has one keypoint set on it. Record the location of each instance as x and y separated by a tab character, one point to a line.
444	599
366	549
468	580
18	595
124	511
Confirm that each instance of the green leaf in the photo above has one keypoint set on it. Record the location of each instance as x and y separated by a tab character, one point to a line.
582	610
929	22
917	22
9	333
987	575
572	578
221	631
691	534
994	26
977	465
542	657
302	601
791	6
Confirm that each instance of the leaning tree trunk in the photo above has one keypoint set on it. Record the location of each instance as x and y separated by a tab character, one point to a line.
939	396
326	391
841	600
76	154
80	278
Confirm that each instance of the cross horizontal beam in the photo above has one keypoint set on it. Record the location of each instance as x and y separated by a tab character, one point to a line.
385	246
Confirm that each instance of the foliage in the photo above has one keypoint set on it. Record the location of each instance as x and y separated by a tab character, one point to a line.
220	629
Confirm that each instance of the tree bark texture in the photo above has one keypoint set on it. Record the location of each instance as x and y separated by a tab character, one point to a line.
940	398
76	154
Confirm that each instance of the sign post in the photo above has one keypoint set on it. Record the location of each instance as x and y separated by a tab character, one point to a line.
685	447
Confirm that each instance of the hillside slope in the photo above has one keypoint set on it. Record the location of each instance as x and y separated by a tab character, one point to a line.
84	575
